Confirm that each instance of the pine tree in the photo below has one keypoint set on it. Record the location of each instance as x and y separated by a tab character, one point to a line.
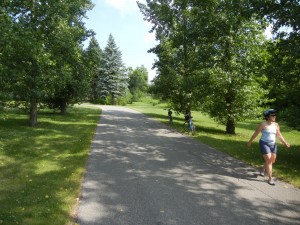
112	79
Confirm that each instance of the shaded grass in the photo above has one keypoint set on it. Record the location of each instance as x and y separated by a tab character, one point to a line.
42	167
287	166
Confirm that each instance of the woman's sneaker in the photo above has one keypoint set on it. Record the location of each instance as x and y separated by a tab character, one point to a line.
271	181
262	171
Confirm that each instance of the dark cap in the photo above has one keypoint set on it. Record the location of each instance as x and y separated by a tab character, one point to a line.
268	112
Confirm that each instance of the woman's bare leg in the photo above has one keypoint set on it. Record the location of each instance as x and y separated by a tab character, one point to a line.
268	164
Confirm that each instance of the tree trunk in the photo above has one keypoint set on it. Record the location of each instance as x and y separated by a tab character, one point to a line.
230	126
33	113
63	107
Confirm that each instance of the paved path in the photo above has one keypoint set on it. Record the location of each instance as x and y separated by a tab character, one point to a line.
141	173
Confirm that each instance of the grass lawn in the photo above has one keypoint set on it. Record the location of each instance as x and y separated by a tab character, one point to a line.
42	167
287	166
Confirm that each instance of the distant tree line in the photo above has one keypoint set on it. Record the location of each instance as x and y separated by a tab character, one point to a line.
43	62
213	56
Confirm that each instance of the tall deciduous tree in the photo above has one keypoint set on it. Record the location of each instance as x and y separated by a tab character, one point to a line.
237	74
41	39
6	25
284	79
112	78
72	83
26	57
176	50
211	53
284	65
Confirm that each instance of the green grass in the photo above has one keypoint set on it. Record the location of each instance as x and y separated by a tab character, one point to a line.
42	167
287	166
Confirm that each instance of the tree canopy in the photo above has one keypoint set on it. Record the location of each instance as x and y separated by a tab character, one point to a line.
41	51
211	56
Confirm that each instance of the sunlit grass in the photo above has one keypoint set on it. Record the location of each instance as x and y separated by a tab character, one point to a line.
287	167
42	167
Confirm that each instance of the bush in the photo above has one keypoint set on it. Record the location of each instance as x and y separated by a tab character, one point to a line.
149	99
124	100
290	116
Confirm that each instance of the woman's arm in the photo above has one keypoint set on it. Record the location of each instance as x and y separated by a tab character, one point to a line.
281	138
254	135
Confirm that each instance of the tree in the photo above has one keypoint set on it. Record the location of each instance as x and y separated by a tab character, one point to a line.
93	58
284	80
24	57
176	51
36	38
112	77
284	65
238	63
6	25
211	53
137	81
72	83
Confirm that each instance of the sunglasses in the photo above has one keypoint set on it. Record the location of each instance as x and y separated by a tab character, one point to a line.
273	115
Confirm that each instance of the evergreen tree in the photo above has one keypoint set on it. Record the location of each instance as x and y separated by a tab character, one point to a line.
112	77
93	57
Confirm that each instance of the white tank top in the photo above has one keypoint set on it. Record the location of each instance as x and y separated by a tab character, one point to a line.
269	134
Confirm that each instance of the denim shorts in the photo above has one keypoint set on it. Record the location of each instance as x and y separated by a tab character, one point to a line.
266	147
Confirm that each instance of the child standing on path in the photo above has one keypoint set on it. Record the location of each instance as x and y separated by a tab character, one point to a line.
267	143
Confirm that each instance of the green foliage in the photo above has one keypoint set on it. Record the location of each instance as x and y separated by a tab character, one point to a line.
137	82
42	168
112	78
150	100
72	86
281	14
125	99
210	55
235	82
42	50
166	84
284	80
284	65
92	59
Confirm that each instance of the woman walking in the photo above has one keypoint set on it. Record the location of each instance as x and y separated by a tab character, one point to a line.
267	143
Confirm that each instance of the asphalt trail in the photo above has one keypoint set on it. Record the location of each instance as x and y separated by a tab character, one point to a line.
141	173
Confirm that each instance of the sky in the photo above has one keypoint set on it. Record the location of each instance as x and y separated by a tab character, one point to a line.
124	21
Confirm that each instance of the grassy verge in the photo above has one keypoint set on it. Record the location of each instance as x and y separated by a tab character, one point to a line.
287	167
42	167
